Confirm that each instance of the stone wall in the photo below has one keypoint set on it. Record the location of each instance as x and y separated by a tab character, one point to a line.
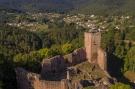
57	66
42	84
53	65
102	59
94	53
63	84
76	57
54	84
92	43
22	80
59	63
27	80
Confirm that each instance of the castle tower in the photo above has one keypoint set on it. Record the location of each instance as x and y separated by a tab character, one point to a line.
94	53
102	59
92	44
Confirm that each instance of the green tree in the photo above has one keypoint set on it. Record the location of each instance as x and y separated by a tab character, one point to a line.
1	84
17	58
44	52
130	60
120	86
108	41
120	51
67	48
55	50
89	87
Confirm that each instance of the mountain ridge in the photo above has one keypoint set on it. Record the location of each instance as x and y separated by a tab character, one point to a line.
75	6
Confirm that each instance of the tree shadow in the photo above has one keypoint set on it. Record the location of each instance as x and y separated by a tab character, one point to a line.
114	67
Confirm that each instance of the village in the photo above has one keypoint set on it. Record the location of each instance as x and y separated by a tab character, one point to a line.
40	21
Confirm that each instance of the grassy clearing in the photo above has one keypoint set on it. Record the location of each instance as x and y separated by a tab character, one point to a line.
130	75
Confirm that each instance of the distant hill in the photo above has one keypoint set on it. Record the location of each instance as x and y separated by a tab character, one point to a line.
115	7
37	5
77	6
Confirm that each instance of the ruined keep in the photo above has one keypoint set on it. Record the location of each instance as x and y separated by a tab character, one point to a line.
92	44
54	74
102	59
94	53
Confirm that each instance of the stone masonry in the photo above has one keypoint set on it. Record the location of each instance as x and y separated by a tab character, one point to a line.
92	44
54	70
102	59
52	66
76	57
94	54
28	80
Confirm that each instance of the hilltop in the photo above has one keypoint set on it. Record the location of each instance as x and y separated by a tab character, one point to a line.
113	7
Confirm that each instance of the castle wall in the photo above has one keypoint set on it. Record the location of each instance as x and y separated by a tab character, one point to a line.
63	84
22	81
78	56
54	84
54	64
92	44
41	84
92	52
102	59
24	78
27	80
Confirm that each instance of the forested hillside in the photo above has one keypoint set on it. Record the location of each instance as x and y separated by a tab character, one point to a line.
26	37
105	7
26	48
37	5
102	7
23	48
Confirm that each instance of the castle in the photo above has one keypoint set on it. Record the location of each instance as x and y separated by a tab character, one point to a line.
55	72
94	53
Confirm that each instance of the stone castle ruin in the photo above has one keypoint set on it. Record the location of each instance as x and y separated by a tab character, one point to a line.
55	72
94	53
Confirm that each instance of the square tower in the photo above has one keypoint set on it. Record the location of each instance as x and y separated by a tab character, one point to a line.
92	44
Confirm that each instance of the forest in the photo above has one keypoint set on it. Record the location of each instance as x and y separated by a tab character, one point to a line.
98	7
21	47
27	49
